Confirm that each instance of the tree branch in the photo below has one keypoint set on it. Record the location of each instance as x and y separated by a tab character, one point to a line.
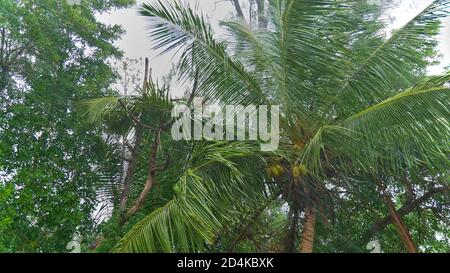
238	8
129	176
381	224
134	118
152	170
396	217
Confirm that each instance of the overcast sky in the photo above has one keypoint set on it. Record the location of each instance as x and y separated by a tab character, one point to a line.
136	44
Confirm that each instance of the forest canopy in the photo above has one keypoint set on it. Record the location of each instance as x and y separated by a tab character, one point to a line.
89	162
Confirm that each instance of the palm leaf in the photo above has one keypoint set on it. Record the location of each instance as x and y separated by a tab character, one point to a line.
176	26
202	204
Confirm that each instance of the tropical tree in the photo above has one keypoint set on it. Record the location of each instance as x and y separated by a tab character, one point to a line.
359	120
52	56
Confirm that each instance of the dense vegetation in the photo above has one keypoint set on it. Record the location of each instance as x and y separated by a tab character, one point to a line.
364	131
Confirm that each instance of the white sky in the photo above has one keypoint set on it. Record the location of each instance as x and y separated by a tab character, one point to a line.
135	43
410	8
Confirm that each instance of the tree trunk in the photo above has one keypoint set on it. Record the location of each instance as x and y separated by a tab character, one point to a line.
129	176
309	229
397	219
238	8
3	81
292	234
146	74
262	20
401	227
152	168
134	157
405	210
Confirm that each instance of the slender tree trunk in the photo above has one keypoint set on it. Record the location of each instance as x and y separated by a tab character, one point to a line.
2	46
309	229
397	219
238	8
406	209
401	226
134	157
3	70
152	168
3	80
146	74
129	176
262	19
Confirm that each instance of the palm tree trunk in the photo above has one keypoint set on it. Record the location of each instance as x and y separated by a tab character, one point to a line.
309	229
292	234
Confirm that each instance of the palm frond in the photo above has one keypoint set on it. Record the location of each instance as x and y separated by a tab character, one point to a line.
407	130
97	109
176	26
387	69
202	202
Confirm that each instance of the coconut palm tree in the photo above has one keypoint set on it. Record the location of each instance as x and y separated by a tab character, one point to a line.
355	103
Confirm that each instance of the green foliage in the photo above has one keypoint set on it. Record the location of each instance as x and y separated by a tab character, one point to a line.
55	60
202	203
